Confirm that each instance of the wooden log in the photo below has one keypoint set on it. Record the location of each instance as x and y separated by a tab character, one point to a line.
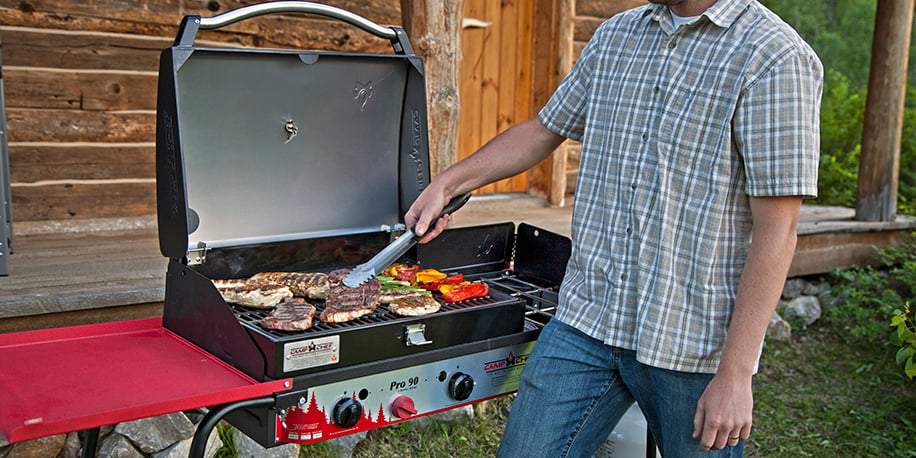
60	49
31	125
605	8
434	28
79	90
83	200
879	162
31	162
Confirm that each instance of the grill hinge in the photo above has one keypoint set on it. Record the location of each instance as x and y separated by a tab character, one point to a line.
197	256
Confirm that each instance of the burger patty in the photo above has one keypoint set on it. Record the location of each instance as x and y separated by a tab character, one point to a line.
290	315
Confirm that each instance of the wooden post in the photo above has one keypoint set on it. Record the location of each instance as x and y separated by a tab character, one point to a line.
879	163
434	28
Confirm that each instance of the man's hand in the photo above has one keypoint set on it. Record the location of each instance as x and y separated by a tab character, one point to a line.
724	412
421	213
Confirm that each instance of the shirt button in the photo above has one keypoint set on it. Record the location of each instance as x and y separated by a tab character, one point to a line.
633	186
624	277
629	230
645	137
656	89
672	44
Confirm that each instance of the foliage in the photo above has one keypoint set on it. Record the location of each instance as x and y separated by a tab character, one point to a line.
905	338
840	31
869	295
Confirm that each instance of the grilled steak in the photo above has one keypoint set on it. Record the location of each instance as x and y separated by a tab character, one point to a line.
310	285
290	315
345	303
251	294
414	305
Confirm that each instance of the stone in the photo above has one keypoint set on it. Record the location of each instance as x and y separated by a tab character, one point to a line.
181	449
343	446
117	446
805	310
779	329
816	289
71	448
154	434
38	448
248	448
793	288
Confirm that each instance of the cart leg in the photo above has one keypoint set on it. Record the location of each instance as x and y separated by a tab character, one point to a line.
199	443
90	443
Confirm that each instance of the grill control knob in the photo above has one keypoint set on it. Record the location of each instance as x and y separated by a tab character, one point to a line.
347	413
403	407
460	386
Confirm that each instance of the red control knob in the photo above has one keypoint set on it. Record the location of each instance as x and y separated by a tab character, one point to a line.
402	407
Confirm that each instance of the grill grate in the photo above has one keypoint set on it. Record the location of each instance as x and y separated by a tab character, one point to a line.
540	297
251	318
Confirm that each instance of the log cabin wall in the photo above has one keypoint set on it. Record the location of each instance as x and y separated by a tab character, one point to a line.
80	86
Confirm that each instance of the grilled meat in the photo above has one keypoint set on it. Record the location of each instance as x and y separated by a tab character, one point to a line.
252	294
414	305
345	303
310	285
290	315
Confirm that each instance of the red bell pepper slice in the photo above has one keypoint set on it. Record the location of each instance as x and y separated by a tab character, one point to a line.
468	291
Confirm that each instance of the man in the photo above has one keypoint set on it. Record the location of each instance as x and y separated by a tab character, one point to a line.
699	128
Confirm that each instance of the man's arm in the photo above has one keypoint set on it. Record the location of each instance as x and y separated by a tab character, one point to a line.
509	153
725	409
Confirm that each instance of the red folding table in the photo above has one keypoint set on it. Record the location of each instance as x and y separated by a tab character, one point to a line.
60	380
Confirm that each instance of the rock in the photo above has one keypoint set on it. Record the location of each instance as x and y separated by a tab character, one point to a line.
38	448
181	449
805	310
779	329
343	446
793	288
816	289
117	446
71	448
157	433
457	415
248	448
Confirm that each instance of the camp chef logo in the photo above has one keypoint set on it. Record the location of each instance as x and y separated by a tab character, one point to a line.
506	363
312	347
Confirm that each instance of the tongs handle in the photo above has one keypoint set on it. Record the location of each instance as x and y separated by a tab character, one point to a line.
190	24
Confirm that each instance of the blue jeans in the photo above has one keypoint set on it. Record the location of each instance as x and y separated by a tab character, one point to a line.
574	389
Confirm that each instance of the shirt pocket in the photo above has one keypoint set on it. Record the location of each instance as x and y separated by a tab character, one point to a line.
696	122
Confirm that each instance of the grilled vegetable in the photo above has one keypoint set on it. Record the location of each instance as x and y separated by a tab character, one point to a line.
462	291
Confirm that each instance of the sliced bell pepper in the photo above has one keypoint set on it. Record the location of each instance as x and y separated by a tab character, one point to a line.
434	286
460	292
429	276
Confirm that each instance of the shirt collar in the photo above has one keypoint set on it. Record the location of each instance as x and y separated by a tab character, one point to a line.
723	13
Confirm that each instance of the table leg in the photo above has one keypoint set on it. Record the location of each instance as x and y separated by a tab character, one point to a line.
199	443
90	443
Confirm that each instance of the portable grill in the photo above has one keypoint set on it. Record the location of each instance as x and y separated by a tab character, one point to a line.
304	161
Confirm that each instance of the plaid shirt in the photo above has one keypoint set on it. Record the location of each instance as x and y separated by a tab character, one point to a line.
678	128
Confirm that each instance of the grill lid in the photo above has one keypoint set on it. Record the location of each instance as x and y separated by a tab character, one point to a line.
258	146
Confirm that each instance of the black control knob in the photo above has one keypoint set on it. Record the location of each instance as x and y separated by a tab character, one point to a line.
347	413
460	386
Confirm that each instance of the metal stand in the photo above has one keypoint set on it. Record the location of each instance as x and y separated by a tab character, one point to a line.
199	443
6	214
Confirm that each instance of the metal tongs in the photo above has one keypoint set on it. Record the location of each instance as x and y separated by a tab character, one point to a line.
395	249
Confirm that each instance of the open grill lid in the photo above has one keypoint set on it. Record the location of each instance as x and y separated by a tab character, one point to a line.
258	146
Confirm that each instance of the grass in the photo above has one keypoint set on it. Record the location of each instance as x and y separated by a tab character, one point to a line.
823	394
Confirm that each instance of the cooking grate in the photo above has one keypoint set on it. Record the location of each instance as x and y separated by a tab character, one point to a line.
251	318
540	296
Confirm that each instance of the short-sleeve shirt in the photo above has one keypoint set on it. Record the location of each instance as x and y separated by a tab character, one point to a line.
678	128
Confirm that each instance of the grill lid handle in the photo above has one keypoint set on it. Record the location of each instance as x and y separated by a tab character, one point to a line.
191	24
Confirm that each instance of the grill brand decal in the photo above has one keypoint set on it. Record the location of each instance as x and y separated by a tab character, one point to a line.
363	94
415	148
509	362
311	353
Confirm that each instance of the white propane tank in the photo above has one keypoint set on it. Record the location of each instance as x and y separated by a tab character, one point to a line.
628	439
